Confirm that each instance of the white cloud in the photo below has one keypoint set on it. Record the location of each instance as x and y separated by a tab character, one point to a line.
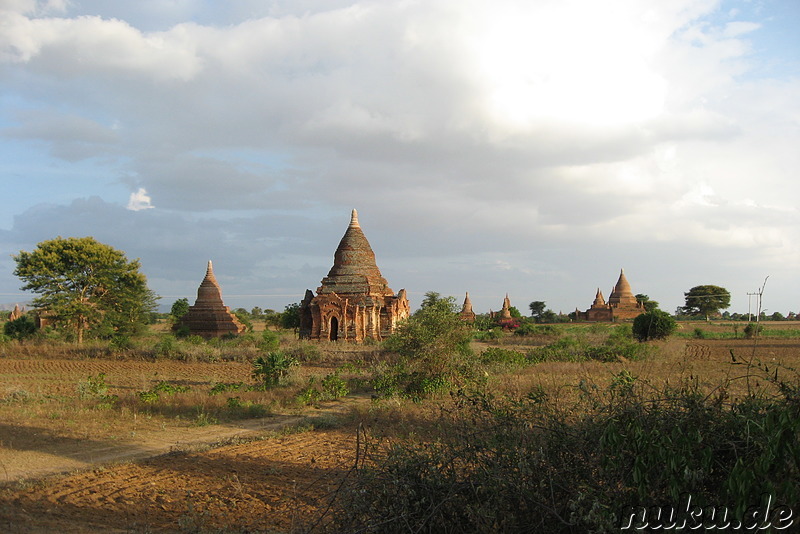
489	127
139	200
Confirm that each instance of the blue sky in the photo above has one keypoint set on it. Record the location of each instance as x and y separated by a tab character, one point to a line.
493	147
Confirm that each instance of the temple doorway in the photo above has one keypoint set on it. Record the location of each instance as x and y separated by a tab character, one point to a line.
334	329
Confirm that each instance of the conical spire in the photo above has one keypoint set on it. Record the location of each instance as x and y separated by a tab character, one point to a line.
598	298
209	292
354	268
467	307
209	317
622	291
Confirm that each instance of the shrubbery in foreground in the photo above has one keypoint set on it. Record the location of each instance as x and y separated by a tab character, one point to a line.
534	465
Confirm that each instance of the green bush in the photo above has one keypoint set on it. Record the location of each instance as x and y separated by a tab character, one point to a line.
655	324
489	335
433	350
334	387
699	333
21	328
752	330
272	369
269	341
530	329
497	355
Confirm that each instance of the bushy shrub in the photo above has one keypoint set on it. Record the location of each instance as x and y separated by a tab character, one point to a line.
433	352
528	465
488	335
21	328
656	324
530	329
272	369
269	341
699	333
752	330
502	356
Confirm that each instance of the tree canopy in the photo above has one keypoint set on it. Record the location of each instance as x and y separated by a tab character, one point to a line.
537	308
655	324
706	300
647	302
86	286
433	336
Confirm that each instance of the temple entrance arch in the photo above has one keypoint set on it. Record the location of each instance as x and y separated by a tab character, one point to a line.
334	331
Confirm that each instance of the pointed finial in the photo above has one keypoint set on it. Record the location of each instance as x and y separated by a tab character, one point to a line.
210	268
354	219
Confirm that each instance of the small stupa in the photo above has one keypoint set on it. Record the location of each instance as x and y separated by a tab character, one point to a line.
209	317
466	310
505	312
354	302
16	313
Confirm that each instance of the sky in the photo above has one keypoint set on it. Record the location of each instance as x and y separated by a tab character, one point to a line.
493	146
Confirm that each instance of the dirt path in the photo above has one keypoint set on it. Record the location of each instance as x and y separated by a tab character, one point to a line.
67	455
177	485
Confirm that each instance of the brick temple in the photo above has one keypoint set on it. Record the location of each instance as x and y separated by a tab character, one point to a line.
354	302
209	317
621	305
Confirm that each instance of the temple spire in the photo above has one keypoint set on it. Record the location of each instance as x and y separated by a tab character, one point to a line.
354	219
210	272
467	307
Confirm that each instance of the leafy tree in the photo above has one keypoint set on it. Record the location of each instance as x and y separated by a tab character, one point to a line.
649	305
86	286
654	324
179	308
256	312
514	312
432	298
433	337
548	316
706	300
273	318
20	328
244	317
290	318
537	309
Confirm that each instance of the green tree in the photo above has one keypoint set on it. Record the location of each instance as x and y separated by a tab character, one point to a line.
290	318
433	337
548	316
537	308
244	317
86	286
179	308
654	324
649	305
706	300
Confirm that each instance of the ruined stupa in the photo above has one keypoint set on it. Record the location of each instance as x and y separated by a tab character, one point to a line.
621	305
354	302
209	317
16	313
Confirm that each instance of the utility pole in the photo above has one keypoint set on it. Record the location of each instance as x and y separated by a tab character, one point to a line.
749	300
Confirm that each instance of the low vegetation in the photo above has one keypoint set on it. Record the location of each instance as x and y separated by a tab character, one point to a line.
551	428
